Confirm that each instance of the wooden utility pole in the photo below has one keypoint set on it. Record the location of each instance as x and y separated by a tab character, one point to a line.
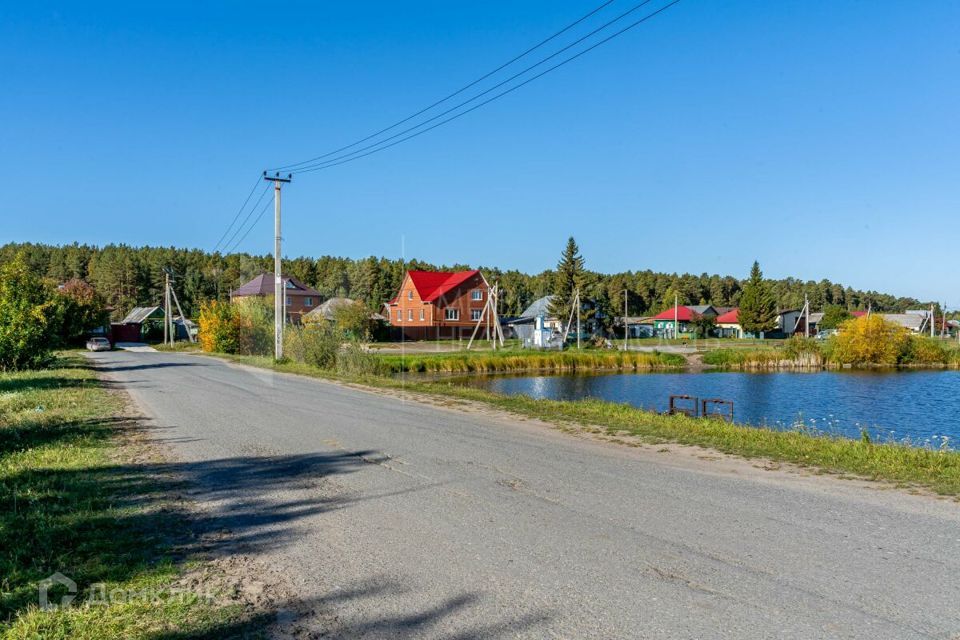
279	293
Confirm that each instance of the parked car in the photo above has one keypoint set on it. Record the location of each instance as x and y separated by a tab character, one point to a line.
98	344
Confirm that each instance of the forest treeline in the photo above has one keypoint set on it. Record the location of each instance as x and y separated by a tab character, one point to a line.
129	276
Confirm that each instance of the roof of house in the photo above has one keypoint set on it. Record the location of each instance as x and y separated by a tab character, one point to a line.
434	284
139	314
537	308
685	313
911	321
858	314
263	284
329	308
729	317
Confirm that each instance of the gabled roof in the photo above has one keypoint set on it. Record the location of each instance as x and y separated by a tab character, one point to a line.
730	317
683	313
328	309
139	314
433	284
539	307
262	285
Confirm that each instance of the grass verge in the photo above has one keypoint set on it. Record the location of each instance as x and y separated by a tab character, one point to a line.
527	360
76	498
935	470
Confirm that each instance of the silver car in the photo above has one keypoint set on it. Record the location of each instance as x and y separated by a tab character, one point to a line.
98	344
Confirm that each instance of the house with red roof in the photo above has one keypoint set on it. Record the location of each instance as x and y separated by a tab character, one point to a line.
676	320
435	305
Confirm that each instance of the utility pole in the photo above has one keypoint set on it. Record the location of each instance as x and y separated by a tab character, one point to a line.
279	297
625	325
932	321
806	316
578	318
166	307
676	315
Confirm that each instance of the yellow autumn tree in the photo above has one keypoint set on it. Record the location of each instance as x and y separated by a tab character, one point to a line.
870	340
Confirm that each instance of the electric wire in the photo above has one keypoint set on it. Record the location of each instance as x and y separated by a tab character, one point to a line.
236	217
266	206
454	94
249	213
345	159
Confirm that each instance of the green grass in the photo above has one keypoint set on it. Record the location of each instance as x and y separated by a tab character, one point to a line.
937	471
529	360
73	500
181	345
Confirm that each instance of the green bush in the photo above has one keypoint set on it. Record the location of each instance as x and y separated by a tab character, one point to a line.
314	344
354	361
924	350
27	330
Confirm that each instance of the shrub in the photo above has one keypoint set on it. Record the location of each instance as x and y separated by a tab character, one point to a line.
924	350
217	327
76	309
253	318
805	351
353	360
315	344
26	331
870	340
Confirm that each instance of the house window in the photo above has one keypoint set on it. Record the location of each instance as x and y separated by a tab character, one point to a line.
410	315
410	296
308	301
476	294
399	315
451	314
475	314
421	315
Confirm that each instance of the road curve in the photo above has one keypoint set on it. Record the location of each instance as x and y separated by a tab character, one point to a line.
395	518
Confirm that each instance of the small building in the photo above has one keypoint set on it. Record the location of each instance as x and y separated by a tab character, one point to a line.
637	326
676	320
439	304
915	322
140	325
300	298
728	324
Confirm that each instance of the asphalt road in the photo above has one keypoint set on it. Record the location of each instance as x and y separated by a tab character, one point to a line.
395	518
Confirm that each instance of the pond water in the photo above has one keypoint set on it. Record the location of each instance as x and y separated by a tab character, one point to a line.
919	407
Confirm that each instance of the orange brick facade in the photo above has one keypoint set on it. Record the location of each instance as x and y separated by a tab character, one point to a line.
451	315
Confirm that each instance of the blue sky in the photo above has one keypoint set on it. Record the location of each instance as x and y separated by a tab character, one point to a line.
820	138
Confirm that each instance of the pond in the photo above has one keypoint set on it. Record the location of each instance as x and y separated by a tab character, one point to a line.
919	407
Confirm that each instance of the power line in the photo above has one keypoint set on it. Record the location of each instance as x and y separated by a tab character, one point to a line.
250	228
345	158
455	93
249	213
494	87
236	217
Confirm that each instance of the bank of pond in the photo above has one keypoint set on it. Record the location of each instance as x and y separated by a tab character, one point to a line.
915	407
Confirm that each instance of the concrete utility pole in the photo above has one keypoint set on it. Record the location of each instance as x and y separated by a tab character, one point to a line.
806	316
676	315
279	297
166	307
578	318
625	325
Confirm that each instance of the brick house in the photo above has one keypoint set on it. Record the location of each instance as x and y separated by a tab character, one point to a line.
435	305
300	298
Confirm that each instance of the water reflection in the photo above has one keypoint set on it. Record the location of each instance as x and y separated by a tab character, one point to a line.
921	406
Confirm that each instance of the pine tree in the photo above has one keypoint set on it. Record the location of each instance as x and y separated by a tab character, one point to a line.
757	308
569	276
